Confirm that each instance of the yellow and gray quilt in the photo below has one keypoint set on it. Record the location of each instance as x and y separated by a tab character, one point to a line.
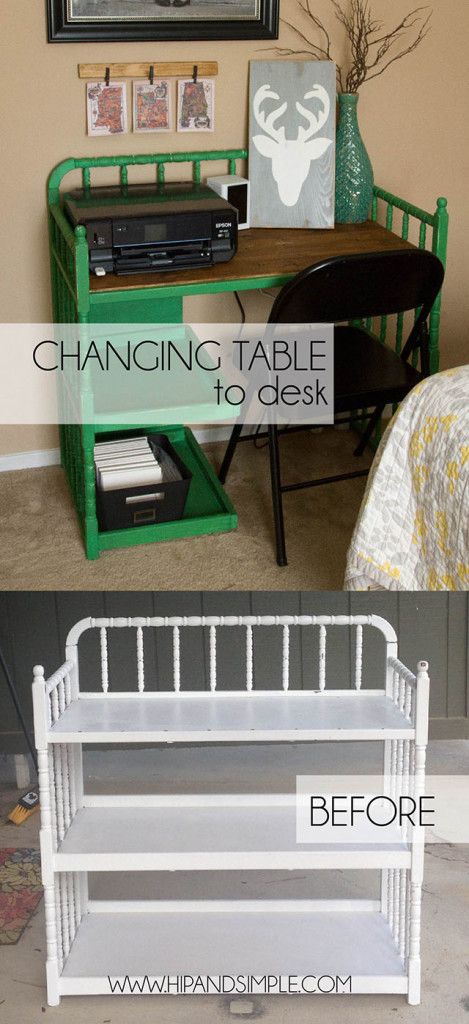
412	532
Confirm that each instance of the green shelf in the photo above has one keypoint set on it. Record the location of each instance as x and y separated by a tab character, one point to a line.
208	509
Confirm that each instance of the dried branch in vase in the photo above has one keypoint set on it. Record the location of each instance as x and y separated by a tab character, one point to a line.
372	49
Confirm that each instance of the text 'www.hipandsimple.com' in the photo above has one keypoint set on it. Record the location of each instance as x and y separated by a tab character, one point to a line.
227	984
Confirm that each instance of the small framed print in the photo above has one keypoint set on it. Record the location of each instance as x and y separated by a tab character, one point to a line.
196	105
152	106
106	108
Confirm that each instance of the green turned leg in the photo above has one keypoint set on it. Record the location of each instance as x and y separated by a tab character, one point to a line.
90	522
434	335
439	247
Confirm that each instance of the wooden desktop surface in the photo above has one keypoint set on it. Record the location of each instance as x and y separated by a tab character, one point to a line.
266	252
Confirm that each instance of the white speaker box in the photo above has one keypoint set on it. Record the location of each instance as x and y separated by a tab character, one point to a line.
236	191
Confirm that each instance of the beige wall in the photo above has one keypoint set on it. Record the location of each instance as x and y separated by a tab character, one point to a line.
414	120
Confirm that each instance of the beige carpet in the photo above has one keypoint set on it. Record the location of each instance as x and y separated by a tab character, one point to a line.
41	546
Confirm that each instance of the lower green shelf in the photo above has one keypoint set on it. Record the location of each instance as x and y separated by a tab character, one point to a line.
208	509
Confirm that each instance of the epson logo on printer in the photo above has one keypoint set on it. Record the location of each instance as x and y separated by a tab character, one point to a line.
223	224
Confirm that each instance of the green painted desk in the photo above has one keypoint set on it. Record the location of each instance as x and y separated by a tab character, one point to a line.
265	258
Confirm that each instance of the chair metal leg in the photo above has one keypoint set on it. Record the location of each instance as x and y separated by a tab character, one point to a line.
230	450
276	494
372	424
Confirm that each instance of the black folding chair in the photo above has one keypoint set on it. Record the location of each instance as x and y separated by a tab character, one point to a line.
367	373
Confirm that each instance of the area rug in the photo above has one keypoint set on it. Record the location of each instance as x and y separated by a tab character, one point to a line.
20	891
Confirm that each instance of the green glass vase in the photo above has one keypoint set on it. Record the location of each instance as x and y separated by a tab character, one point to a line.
354	173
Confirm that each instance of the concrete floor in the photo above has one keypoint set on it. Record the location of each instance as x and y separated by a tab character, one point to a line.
445	911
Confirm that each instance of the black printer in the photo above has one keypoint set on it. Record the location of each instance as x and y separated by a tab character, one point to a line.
134	229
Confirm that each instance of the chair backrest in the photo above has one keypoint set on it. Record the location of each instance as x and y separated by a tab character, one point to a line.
360	286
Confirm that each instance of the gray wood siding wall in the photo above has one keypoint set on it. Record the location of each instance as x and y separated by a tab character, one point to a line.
33	628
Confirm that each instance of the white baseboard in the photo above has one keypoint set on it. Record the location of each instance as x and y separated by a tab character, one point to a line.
29	460
51	456
208	435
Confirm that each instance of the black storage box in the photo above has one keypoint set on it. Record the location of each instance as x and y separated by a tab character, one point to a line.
152	503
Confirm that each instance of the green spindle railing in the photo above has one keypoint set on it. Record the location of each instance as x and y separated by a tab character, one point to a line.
438	223
70	267
400	316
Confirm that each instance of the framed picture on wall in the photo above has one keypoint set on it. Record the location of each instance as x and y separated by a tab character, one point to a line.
124	20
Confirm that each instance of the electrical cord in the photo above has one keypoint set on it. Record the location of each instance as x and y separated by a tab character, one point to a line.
241	307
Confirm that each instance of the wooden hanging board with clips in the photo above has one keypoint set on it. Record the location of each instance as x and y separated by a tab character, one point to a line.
162	69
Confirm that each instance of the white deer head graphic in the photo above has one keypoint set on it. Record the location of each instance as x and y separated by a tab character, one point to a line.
291	158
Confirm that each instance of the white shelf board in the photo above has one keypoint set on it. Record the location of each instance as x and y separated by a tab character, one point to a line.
212	942
230	717
213	833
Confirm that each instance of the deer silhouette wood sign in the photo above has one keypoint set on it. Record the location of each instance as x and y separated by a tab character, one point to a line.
292	143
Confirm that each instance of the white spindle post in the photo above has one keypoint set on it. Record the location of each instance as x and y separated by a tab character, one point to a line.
403	914
408	702
402	691
414	943
406	780
68	690
140	663
358	657
400	768
393	768
384	891
391	898
72	781
58	920
46	864
53	798
176	659
61	693
44	790
51	937
407	923
54	705
213	658
77	888
249	659
104	660
322	657
418	833
66	785
59	793
397	904
422	700
71	907
395	687
286	658
65	914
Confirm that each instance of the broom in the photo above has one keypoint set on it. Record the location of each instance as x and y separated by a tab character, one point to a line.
29	802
